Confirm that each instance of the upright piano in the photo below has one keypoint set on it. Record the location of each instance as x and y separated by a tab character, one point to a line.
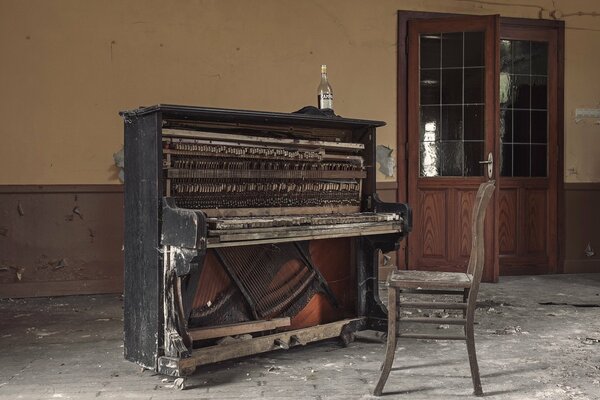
248	231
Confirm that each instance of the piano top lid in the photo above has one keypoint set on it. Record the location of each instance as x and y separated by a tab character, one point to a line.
194	113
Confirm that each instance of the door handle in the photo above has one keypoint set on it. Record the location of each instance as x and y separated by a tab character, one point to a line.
490	165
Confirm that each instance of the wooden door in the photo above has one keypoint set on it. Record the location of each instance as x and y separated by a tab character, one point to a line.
527	203
452	127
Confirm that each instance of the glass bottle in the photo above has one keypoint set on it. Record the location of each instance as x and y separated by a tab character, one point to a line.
324	91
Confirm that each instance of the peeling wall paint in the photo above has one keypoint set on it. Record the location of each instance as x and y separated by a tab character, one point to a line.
386	160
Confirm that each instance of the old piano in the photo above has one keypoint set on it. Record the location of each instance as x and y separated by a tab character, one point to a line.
247	232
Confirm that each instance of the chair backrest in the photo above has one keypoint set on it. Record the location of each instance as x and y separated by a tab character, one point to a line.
477	257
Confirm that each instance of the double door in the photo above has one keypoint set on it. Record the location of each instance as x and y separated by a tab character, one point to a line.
481	105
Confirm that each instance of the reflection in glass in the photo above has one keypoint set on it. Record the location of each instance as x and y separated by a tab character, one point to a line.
505	56
521	159
430	159
521	57
521	91
430	86
452	122
539	127
474	85
506	160
506	126
474	127
452	86
430	123
539	58
538	160
430	50
521	126
539	92
452	160
473	153
452	49
506	92
474	49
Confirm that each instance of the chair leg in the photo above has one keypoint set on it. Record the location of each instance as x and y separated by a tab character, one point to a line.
392	341
477	390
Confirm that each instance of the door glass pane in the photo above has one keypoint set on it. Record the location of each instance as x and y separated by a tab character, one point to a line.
452	109
523	108
430	86
430	51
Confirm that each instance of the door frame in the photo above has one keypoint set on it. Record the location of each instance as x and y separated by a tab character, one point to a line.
402	167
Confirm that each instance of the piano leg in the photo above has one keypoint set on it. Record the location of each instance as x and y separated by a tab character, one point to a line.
373	307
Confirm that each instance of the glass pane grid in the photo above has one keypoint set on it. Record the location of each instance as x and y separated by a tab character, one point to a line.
523	108
452	69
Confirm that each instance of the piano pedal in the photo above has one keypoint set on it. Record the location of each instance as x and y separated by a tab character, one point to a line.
281	344
295	341
346	338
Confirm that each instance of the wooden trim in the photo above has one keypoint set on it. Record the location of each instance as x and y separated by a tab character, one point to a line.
528	22
493	229
237	329
560	133
60	288
83	188
582	266
512	270
584	186
216	353
387	186
402	165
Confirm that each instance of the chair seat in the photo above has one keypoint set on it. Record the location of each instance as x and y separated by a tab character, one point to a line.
429	280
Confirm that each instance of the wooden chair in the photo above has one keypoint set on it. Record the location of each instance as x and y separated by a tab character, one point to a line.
430	282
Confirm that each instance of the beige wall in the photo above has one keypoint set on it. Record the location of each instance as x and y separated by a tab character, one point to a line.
68	67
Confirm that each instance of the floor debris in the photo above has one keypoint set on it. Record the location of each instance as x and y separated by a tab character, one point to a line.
589	340
510	330
557	360
552	303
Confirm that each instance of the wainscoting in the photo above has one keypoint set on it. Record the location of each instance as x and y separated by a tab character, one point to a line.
68	239
582	226
61	240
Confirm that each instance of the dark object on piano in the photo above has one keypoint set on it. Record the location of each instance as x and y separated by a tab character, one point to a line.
312	110
248	231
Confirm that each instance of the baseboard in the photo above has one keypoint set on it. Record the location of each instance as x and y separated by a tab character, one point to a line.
60	288
582	266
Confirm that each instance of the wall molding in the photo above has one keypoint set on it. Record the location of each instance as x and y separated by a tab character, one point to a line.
61	288
80	188
582	185
582	266
387	185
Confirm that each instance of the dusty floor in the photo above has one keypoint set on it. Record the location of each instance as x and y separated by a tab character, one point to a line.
71	348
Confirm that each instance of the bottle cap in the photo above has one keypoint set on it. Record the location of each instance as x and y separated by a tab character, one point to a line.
323	68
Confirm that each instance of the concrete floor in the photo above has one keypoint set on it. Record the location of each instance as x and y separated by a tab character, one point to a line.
71	348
